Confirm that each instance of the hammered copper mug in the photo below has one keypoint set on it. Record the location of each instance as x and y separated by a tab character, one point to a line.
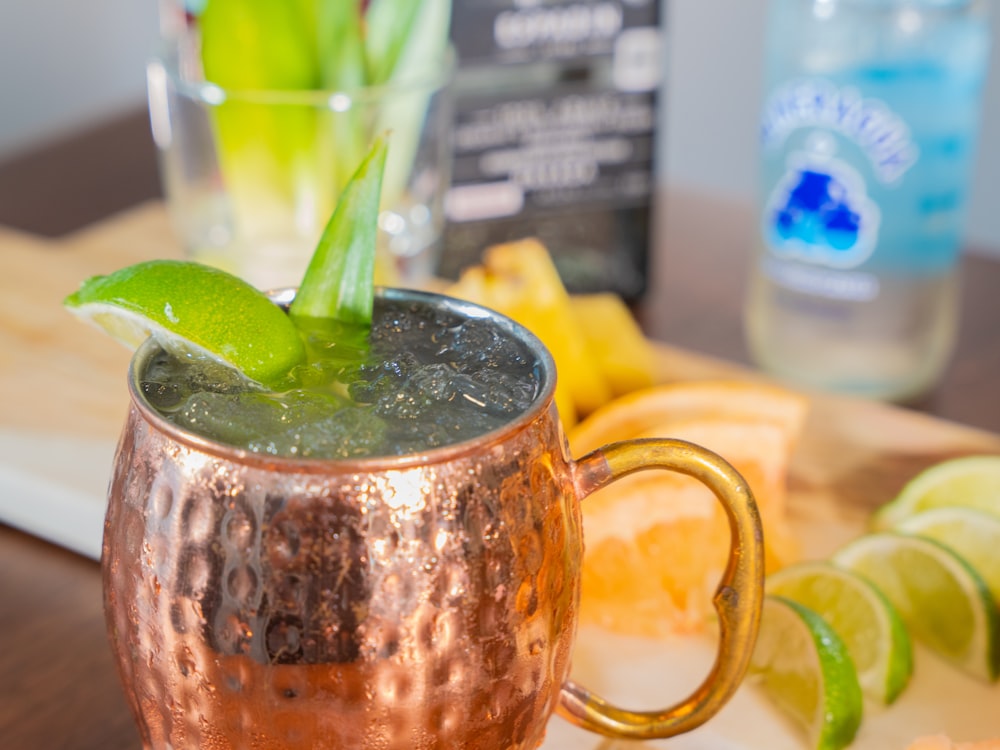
400	603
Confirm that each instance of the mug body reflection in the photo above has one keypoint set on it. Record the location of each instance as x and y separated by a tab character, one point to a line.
425	600
428	606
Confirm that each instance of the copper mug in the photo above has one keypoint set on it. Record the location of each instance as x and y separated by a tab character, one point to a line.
408	602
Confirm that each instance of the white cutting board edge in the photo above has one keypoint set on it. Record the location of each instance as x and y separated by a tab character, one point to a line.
55	487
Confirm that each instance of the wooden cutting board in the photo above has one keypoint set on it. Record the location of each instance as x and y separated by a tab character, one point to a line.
65	399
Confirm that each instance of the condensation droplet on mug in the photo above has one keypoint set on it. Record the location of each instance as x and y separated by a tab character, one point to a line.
197	572
199	519
242	584
185	662
240	527
291	593
158	550
284	540
527	597
394	683
161	496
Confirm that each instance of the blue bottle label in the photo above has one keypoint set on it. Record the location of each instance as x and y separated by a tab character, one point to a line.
820	209
881	134
820	212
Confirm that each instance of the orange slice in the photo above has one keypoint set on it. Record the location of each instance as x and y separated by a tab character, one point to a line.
641	410
941	742
657	542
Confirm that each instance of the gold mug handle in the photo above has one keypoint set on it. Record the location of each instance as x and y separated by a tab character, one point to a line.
737	600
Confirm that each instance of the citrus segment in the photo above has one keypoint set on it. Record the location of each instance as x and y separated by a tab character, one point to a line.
806	670
657	582
193	310
657	542
868	624
942	600
941	742
972	533
970	481
651	408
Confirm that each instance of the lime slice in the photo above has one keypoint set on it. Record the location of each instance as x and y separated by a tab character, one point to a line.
972	533
868	624
971	481
805	669
942	600
193	310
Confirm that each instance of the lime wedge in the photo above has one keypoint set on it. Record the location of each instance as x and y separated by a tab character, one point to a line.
942	600
972	533
194	311
805	669
866	622
970	481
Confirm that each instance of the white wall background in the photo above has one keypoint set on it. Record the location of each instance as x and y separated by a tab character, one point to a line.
65	64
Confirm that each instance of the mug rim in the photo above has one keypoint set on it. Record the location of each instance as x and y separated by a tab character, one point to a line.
543	400
432	77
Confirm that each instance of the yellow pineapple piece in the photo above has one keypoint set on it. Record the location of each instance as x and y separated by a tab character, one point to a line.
620	349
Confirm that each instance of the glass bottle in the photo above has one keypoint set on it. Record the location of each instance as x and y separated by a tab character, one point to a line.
868	138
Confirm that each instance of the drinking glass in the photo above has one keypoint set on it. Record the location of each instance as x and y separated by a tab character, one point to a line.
426	600
251	177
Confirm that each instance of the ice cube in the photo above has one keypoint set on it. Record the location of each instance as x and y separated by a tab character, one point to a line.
348	433
240	418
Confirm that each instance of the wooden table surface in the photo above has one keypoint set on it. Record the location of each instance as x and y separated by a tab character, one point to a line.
58	689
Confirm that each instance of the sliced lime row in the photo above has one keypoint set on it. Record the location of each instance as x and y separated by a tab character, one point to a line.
972	533
970	481
195	311
941	598
806	670
866	622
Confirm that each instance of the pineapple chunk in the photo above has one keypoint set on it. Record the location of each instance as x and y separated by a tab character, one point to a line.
620	349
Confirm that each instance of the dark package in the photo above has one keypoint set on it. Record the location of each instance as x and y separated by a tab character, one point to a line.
554	135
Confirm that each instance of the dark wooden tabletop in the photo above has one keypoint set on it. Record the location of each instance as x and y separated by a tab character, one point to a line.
58	689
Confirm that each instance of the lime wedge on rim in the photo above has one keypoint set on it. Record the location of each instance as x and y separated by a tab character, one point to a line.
970	481
193	310
866	622
805	669
972	533
943	601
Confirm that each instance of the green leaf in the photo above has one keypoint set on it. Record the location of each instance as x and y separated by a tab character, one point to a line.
388	24
402	36
267	153
258	44
340	45
339	282
285	164
419	57
340	48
